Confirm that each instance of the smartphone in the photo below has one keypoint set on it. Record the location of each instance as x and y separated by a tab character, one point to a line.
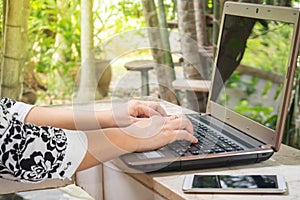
234	184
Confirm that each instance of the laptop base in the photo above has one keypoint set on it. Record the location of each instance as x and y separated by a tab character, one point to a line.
201	163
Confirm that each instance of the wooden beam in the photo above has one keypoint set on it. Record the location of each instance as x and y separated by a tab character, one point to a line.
192	85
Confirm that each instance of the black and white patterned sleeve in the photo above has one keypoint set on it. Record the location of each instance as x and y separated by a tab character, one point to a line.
32	153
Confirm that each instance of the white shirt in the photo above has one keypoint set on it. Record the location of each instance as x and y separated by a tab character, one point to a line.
31	153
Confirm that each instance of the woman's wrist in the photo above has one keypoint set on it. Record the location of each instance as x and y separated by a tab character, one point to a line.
113	118
105	119
107	144
124	140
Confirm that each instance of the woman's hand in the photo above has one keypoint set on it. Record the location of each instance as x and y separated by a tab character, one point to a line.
158	131
132	111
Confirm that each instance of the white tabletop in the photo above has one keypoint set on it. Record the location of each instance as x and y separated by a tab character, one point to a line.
286	163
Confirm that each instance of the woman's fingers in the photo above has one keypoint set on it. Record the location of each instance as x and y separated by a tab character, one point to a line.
158	108
146	109
181	122
184	135
183	128
172	126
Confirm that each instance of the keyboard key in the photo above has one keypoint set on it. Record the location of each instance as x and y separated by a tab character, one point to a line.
219	150
195	152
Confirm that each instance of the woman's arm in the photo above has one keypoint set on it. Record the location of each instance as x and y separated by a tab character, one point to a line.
132	127
70	119
33	153
119	116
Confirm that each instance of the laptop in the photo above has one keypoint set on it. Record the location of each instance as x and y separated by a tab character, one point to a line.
249	98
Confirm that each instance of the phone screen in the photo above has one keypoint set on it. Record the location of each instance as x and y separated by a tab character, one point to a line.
226	181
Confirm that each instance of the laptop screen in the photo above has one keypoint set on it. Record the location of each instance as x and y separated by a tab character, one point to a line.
251	65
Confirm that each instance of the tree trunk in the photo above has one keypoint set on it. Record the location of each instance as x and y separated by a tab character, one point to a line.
28	92
193	62
60	41
165	73
217	10
87	88
3	17
200	18
12	61
165	36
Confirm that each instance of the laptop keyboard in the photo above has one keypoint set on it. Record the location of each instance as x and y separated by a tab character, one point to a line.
209	141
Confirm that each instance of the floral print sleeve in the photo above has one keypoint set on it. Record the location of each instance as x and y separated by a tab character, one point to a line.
32	153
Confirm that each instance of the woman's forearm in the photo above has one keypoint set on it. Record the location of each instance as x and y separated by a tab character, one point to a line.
120	115
107	144
70	119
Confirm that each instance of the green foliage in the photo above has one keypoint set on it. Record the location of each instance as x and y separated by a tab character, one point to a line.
292	130
275	34
44	25
47	20
171	9
236	81
113	17
130	9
